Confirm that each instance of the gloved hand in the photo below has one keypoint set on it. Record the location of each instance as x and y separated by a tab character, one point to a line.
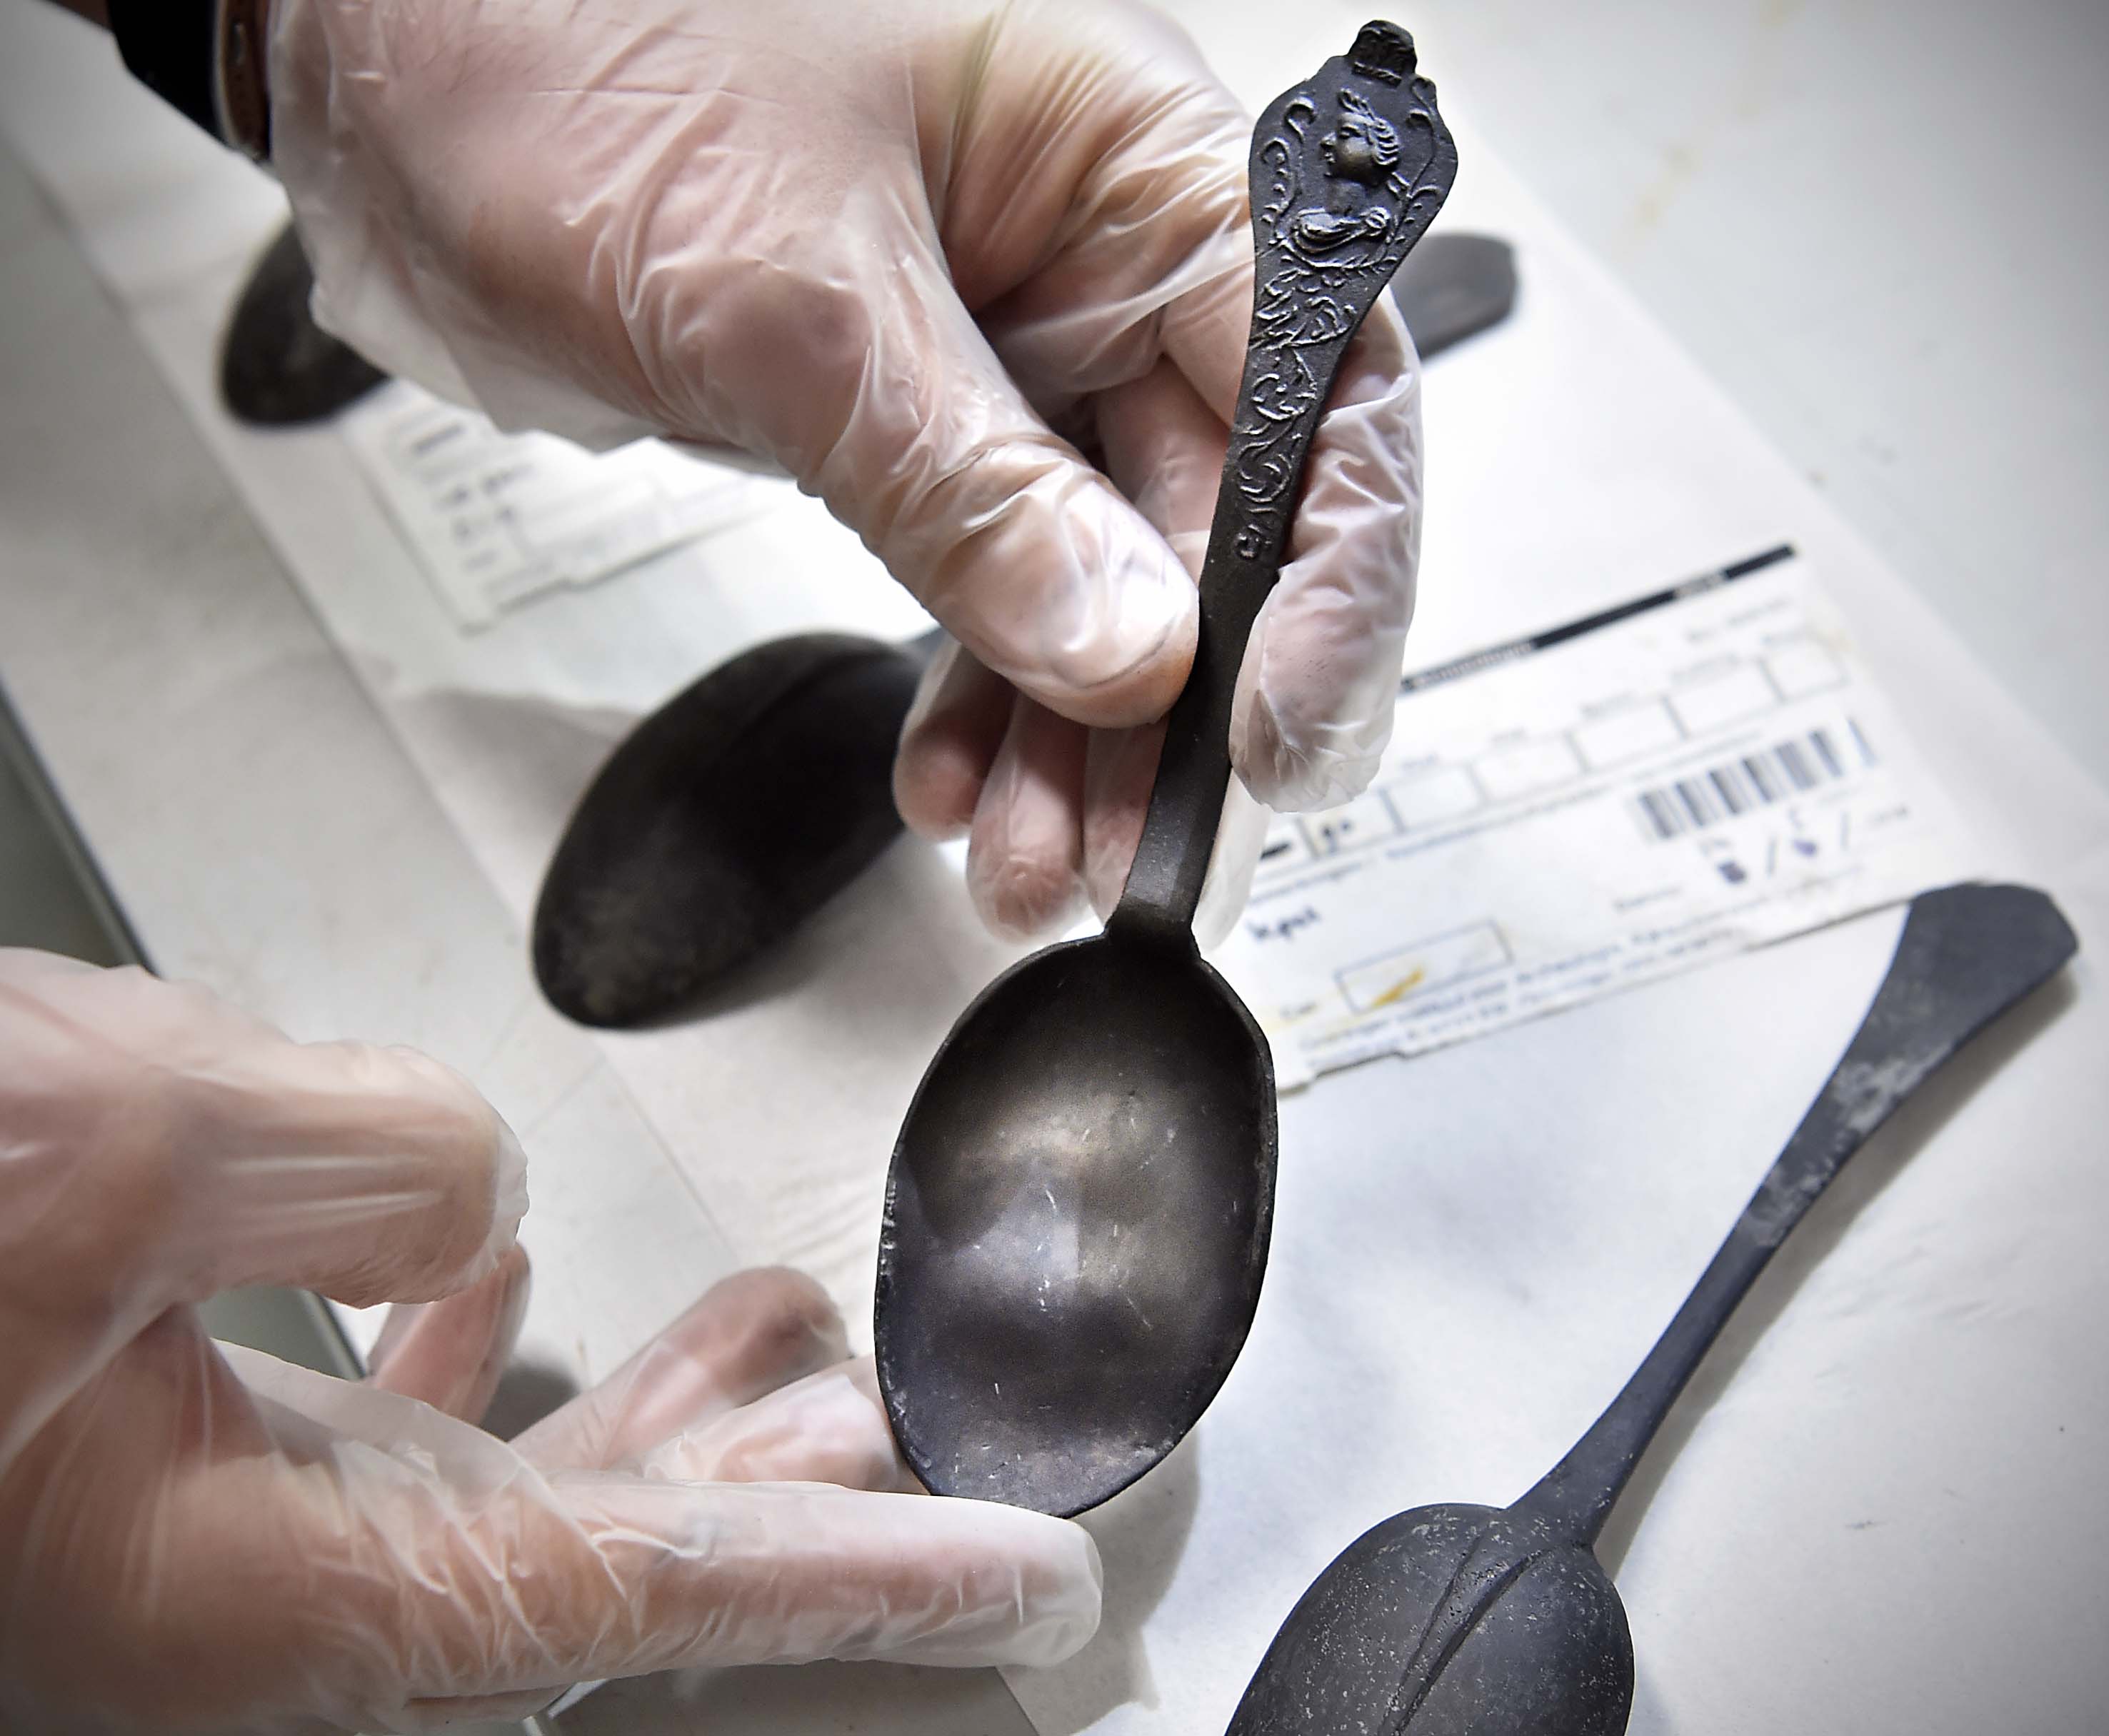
939	262
194	1536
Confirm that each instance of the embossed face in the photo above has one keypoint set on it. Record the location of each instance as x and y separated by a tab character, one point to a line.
1363	146
1350	153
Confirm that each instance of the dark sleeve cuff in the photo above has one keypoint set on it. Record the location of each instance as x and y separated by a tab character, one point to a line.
171	47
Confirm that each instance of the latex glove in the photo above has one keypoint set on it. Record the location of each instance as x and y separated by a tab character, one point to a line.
940	262
194	1536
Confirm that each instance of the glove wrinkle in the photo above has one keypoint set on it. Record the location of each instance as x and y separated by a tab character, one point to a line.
197	1537
895	270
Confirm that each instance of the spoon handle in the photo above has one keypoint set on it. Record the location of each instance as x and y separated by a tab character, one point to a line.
1967	953
1348	170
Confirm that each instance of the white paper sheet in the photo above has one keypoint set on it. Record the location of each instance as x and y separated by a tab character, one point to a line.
1589	808
495	519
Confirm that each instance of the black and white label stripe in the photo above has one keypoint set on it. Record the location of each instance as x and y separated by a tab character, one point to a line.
1758	779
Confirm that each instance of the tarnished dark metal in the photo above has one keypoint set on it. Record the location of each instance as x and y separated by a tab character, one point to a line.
1078	1215
1467	1621
723	821
1454	287
277	367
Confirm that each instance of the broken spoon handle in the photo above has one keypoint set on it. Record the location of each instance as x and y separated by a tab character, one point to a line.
1348	170
1966	954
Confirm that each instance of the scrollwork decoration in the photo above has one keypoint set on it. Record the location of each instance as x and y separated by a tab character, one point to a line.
1347	171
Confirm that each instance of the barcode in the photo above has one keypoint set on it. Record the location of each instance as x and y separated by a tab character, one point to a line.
1750	781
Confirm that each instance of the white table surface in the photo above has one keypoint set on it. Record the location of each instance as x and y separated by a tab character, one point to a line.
1925	1406
1882	226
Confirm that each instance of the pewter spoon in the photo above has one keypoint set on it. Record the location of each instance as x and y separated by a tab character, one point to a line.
277	367
721	823
1078	1212
741	806
1466	1620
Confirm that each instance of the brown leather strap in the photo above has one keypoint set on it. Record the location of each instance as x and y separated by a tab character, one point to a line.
243	94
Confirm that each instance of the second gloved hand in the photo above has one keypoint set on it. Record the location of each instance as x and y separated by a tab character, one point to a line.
194	1537
978	275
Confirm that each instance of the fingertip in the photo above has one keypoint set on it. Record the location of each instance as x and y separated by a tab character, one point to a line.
1041	1611
1309	762
1130	668
948	740
484	1149
1029	556
369	1173
783	1572
509	1202
450	1354
1117	778
1023	870
786	1317
1022	898
1024	856
935	788
748	1335
1316	693
1077	600
829	1428
1312	710
514	1280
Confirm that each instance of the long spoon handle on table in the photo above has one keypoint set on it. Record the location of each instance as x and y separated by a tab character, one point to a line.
1331	225
1967	953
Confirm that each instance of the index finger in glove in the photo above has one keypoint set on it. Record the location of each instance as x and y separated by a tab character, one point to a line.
455	1569
1002	529
749	1334
166	1136
750	1385
830	1427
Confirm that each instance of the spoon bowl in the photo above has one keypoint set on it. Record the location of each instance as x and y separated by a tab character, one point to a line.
721	823
1549	1653
1096	1140
277	367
